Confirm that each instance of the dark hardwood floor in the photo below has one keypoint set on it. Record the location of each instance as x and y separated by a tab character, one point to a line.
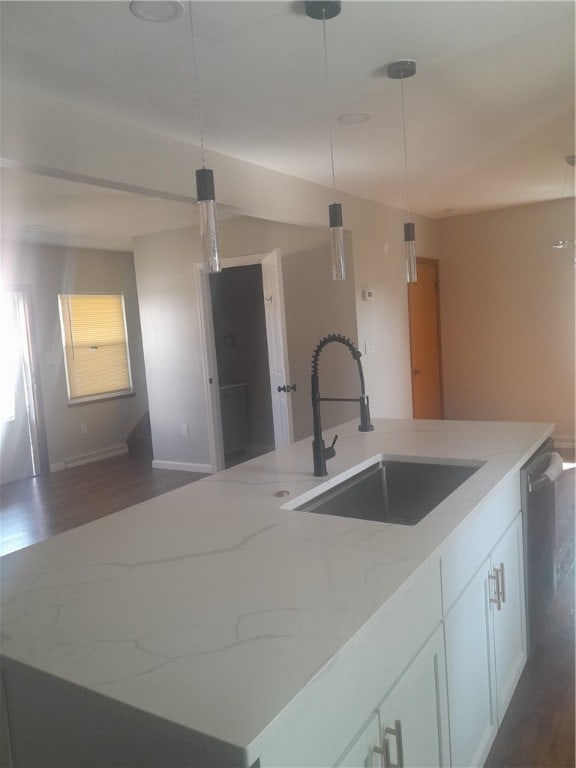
32	510
538	729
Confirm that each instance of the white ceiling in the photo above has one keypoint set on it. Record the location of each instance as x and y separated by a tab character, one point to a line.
490	112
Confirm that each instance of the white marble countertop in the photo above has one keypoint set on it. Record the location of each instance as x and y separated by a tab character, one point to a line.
213	607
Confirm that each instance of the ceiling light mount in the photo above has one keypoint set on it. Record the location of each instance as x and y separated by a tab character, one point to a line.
156	10
401	69
354	118
322	9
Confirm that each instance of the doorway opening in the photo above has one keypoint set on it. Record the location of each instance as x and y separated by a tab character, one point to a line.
245	358
425	343
23	452
239	322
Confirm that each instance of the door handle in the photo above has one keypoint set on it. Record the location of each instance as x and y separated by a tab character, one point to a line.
416	371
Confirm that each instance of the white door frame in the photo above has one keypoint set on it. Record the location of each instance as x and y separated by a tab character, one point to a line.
273	296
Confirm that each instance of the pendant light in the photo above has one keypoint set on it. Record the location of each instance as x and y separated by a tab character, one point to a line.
205	184
568	191
399	70
323	10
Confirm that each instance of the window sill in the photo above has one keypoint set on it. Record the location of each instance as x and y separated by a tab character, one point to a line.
99	398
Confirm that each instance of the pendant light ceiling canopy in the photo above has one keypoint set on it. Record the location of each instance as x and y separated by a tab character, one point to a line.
323	9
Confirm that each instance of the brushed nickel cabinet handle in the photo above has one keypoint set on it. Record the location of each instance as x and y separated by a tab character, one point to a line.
502	583
397	733
494	577
380	752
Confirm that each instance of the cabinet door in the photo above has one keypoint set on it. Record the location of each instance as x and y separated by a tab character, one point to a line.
469	663
509	621
417	707
361	754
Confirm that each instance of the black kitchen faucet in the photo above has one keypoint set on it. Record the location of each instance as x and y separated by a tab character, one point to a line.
319	451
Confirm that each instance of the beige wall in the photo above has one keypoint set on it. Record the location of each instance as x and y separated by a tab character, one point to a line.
132	155
50	270
168	297
171	337
507	304
314	305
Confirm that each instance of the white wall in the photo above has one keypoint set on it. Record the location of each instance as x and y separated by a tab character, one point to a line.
169	310
315	305
50	270
62	136
171	337
507	305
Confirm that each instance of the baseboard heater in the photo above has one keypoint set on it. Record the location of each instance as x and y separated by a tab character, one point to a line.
88	458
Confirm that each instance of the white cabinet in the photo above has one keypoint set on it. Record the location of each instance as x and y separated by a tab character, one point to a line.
509	621
470	673
414	715
485	649
410	728
364	751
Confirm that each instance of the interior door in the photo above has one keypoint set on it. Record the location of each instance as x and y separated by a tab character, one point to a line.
425	350
273	291
277	348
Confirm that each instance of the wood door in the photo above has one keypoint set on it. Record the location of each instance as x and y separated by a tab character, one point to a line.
425	354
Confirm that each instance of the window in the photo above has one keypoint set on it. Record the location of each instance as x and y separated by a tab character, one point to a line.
9	356
95	346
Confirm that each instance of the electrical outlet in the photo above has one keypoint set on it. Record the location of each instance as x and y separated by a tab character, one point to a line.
185	430
84	428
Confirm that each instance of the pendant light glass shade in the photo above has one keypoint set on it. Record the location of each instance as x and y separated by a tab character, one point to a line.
207	216
337	242
410	242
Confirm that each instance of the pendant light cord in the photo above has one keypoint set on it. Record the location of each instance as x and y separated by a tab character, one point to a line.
328	104
404	140
197	108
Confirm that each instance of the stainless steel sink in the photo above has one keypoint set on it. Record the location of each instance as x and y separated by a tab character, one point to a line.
392	491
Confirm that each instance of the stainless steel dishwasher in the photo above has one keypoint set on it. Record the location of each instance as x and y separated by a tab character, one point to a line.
538	476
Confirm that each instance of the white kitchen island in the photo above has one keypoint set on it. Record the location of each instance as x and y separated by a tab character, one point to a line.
214	626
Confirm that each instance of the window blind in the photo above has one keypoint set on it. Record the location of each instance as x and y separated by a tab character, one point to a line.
95	345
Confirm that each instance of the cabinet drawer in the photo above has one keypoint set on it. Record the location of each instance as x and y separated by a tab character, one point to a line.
476	538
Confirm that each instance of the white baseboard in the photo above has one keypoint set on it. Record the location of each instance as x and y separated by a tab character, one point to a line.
564	443
89	458
181	466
